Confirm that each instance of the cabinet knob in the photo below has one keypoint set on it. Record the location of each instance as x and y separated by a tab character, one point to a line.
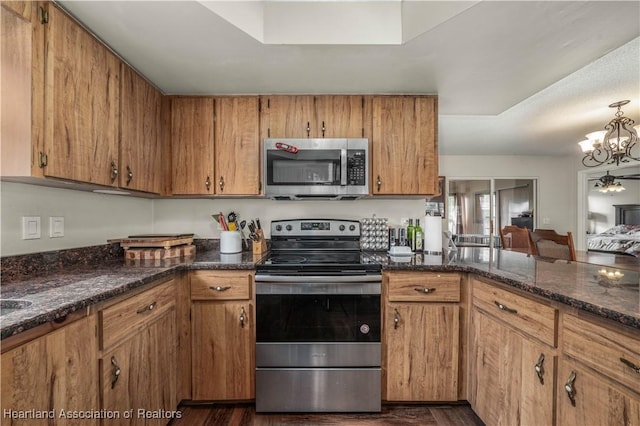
149	307
379	183
505	308
114	172
115	372
568	387
207	183
219	288
243	317
129	175
630	365
539	369
323	129
308	129
221	183
396	319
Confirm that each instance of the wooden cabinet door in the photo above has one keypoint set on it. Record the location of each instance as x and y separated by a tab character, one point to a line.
237	146
192	146
140	125
57	371
223	350
140	373
506	388
339	117
404	149
421	351
596	401
81	104
287	116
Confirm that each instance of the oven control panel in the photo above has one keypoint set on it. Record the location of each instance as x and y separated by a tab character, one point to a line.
316	227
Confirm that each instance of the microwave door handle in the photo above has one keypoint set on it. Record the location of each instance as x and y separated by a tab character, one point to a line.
343	167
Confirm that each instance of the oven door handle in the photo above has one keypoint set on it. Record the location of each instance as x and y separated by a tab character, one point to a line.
318	278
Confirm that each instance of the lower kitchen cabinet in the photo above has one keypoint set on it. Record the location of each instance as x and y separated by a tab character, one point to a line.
53	375
223	335
139	358
508	391
513	357
421	336
586	398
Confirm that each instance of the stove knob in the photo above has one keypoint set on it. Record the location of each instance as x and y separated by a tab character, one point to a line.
341	227
278	227
352	228
289	227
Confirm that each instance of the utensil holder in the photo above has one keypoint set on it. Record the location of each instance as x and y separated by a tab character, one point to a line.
230	242
260	246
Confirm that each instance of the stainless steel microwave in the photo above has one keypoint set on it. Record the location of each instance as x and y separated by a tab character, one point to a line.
316	169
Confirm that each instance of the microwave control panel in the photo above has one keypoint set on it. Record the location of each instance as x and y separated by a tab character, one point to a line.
356	167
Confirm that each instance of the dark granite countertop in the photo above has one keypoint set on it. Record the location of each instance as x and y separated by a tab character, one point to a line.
58	293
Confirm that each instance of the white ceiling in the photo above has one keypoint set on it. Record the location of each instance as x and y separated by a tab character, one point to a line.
513	78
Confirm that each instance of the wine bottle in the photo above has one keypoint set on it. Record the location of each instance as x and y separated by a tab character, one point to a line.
419	236
410	234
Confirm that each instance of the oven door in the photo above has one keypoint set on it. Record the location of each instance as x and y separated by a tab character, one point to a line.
318	321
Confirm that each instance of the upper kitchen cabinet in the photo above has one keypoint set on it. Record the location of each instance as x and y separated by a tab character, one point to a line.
306	116
81	103
192	152
140	133
339	117
22	78
404	138
287	116
237	145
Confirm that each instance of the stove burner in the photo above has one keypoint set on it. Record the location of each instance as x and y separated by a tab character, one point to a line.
287	259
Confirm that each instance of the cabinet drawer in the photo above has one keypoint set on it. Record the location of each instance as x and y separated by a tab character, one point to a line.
424	287
221	285
124	318
603	349
520	312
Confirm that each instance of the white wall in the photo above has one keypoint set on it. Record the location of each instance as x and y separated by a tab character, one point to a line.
90	219
557	188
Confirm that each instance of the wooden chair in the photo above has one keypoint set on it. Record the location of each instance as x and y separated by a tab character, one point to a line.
548	243
515	238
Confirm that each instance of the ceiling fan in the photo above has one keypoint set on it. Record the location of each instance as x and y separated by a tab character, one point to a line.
607	183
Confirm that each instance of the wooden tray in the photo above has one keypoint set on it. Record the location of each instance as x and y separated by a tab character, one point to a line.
154	240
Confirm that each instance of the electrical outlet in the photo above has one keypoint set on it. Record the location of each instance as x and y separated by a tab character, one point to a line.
30	227
56	226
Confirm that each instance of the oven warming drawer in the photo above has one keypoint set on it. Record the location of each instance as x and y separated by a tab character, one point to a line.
338	354
318	390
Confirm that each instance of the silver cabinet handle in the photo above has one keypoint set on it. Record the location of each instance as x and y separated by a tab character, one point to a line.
539	369
219	288
425	290
115	372
379	183
396	319
630	365
243	317
568	387
114	172
207	183
149	307
505	307
129	175
221	183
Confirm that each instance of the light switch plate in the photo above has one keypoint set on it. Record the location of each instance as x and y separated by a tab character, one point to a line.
30	227
56	226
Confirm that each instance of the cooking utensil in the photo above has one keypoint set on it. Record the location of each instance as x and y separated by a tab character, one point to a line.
258	223
243	224
233	224
222	222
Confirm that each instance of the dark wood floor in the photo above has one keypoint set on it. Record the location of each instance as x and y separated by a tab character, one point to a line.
245	415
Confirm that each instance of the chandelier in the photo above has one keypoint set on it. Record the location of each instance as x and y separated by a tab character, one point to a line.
613	145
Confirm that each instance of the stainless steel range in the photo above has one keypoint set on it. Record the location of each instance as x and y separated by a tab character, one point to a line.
317	320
